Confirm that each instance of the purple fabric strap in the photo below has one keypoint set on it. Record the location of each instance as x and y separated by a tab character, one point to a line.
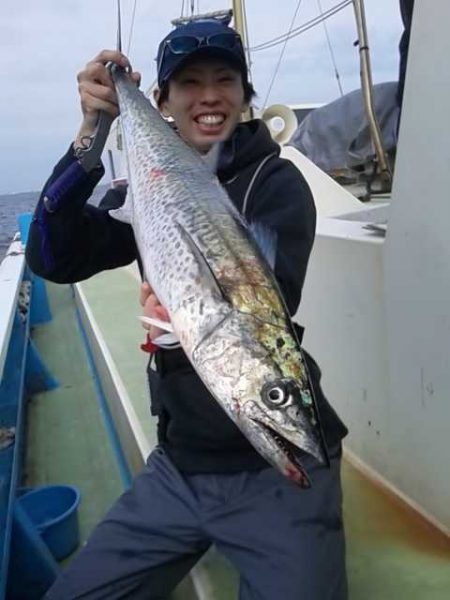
59	188
52	201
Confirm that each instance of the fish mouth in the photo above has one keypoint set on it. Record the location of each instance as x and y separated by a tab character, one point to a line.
294	469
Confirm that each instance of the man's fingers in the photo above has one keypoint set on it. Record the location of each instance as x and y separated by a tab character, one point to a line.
136	77
114	56
152	308
96	90
95	72
161	313
96	68
144	293
93	104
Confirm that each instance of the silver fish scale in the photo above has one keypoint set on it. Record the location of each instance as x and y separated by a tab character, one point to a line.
161	205
222	299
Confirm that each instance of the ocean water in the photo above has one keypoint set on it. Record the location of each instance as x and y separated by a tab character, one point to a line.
12	205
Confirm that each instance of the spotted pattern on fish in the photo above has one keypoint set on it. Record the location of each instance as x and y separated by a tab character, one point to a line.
221	295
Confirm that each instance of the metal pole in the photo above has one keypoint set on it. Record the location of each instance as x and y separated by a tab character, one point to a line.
239	25
239	19
367	89
111	164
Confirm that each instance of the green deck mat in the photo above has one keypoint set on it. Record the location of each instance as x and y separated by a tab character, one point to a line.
66	441
113	298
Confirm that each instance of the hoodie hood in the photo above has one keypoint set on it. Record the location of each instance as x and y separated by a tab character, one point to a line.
251	142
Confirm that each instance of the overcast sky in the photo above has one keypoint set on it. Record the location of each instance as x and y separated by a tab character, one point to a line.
44	43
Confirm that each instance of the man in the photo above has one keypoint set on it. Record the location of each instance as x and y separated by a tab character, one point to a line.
204	484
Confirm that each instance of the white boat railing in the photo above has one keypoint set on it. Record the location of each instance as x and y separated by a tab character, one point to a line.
11	274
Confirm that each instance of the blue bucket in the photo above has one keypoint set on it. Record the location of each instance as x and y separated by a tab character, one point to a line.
53	511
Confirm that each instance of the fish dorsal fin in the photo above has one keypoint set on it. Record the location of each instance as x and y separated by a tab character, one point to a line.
125	212
266	240
206	273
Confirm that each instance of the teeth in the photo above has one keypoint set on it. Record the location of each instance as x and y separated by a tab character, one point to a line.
210	119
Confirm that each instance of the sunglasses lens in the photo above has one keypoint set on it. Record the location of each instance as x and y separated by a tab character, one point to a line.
223	40
183	44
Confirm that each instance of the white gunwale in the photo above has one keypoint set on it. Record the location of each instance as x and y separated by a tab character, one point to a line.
134	442
11	274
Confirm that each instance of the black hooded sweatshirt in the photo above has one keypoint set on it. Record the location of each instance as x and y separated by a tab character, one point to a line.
70	240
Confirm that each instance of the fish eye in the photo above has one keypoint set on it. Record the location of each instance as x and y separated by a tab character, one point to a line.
275	394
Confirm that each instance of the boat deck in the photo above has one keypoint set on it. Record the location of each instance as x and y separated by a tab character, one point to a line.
391	552
67	441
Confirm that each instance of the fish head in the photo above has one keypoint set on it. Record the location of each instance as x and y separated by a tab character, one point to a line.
264	389
278	418
280	425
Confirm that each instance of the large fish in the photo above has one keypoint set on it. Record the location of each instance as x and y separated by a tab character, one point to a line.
225	306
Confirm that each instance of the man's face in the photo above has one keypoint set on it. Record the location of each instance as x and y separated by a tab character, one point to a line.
206	99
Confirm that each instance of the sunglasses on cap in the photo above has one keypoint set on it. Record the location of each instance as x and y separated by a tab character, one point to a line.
184	44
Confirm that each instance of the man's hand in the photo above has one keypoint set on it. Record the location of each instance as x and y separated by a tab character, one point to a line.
97	92
152	308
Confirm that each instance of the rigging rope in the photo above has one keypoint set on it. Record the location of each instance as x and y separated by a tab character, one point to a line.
330	48
131	28
182	9
282	53
249	58
302	28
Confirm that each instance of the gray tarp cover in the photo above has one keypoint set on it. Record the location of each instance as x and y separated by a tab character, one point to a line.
336	136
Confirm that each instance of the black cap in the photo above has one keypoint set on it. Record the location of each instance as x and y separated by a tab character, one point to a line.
208	37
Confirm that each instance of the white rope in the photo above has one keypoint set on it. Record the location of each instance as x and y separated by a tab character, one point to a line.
302	28
247	37
330	48
131	28
252	182
280	58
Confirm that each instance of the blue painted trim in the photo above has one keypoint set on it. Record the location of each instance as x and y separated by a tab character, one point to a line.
24	222
13	395
39	306
37	377
32	568
124	471
22	367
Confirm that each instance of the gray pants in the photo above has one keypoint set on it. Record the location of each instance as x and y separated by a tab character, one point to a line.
286	543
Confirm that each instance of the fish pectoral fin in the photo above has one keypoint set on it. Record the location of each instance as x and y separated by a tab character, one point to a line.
125	212
207	276
166	325
266	240
167	340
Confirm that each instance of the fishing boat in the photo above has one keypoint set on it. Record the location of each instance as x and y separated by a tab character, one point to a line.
74	402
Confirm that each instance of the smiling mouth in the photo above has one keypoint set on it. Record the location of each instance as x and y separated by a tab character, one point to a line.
212	121
296	471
